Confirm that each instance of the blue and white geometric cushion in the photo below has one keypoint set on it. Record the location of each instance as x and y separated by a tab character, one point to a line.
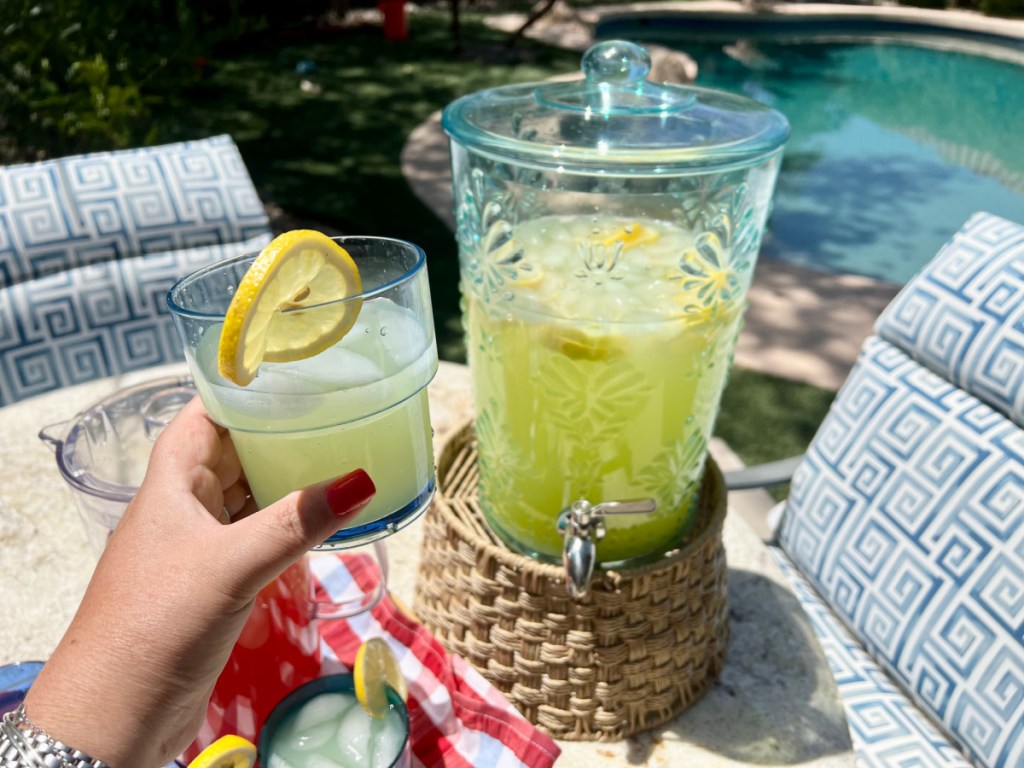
963	315
907	515
95	321
886	727
62	214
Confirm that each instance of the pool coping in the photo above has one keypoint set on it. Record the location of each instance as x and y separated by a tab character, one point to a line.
1000	32
764	11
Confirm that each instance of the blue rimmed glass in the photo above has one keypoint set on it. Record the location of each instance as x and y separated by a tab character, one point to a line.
360	404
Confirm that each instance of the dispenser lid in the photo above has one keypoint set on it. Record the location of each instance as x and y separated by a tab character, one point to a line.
616	120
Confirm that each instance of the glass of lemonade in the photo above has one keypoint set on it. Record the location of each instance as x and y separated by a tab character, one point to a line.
359	403
608	229
322	724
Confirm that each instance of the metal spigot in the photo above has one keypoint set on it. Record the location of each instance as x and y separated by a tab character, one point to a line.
582	526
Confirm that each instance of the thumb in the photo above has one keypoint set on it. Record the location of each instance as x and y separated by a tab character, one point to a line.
271	539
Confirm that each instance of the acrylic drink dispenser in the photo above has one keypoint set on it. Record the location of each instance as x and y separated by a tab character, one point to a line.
608	229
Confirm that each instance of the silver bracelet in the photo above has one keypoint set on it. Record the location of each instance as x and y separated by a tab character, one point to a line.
23	744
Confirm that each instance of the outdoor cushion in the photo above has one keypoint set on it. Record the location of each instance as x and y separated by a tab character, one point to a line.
907	513
95	321
886	727
90	244
963	316
62	214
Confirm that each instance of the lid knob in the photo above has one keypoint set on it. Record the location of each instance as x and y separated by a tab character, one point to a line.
617	62
615	84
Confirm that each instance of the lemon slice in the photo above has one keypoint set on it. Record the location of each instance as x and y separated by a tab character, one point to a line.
376	666
527	277
632	236
266	320
577	344
226	752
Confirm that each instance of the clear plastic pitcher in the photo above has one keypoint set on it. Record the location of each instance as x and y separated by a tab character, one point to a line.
103	451
608	229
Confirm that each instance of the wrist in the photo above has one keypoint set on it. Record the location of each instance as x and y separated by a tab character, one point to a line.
24	744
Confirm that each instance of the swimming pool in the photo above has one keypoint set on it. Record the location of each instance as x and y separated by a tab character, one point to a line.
899	133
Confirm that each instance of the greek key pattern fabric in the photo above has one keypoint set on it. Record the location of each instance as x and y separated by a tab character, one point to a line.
907	515
95	321
963	315
63	214
886	727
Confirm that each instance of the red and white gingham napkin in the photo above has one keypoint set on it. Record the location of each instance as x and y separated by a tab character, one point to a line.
456	718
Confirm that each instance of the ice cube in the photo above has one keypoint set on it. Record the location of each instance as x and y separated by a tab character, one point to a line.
401	338
333	369
318	720
276	761
327	706
354	736
387	333
387	739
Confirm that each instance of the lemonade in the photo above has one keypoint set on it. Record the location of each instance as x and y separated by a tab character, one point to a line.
316	354
598	367
358	404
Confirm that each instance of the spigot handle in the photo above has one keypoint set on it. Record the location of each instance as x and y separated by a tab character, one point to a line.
640	506
582	526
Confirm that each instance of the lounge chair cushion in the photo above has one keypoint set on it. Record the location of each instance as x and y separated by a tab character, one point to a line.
963	315
63	214
907	515
886	728
96	320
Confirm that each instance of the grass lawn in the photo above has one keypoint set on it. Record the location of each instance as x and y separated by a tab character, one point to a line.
333	157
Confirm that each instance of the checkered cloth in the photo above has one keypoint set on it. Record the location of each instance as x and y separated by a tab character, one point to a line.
456	718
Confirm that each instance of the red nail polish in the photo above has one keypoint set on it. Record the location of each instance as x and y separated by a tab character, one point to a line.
349	494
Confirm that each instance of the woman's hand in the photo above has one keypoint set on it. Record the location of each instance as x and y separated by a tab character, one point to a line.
130	680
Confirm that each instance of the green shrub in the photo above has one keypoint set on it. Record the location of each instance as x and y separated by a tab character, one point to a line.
73	73
1009	8
82	75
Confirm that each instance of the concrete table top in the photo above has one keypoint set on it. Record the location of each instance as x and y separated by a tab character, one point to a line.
775	704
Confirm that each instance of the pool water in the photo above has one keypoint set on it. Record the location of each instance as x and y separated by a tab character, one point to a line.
893	147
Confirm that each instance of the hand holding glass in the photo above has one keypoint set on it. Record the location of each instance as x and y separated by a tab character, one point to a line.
360	403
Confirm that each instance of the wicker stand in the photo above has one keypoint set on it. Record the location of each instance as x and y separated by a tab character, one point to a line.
639	649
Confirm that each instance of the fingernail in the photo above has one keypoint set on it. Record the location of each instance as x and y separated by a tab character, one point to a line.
348	494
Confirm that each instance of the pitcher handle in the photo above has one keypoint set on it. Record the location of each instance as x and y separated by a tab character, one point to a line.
371	570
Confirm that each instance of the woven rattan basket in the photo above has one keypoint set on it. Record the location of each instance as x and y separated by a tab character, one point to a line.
640	648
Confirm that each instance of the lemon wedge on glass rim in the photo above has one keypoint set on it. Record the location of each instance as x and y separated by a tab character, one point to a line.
227	752
375	668
287	306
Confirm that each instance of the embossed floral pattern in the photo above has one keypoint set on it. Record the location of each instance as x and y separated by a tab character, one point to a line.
491	255
599	260
593	403
702	198
716	270
499	462
672	474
